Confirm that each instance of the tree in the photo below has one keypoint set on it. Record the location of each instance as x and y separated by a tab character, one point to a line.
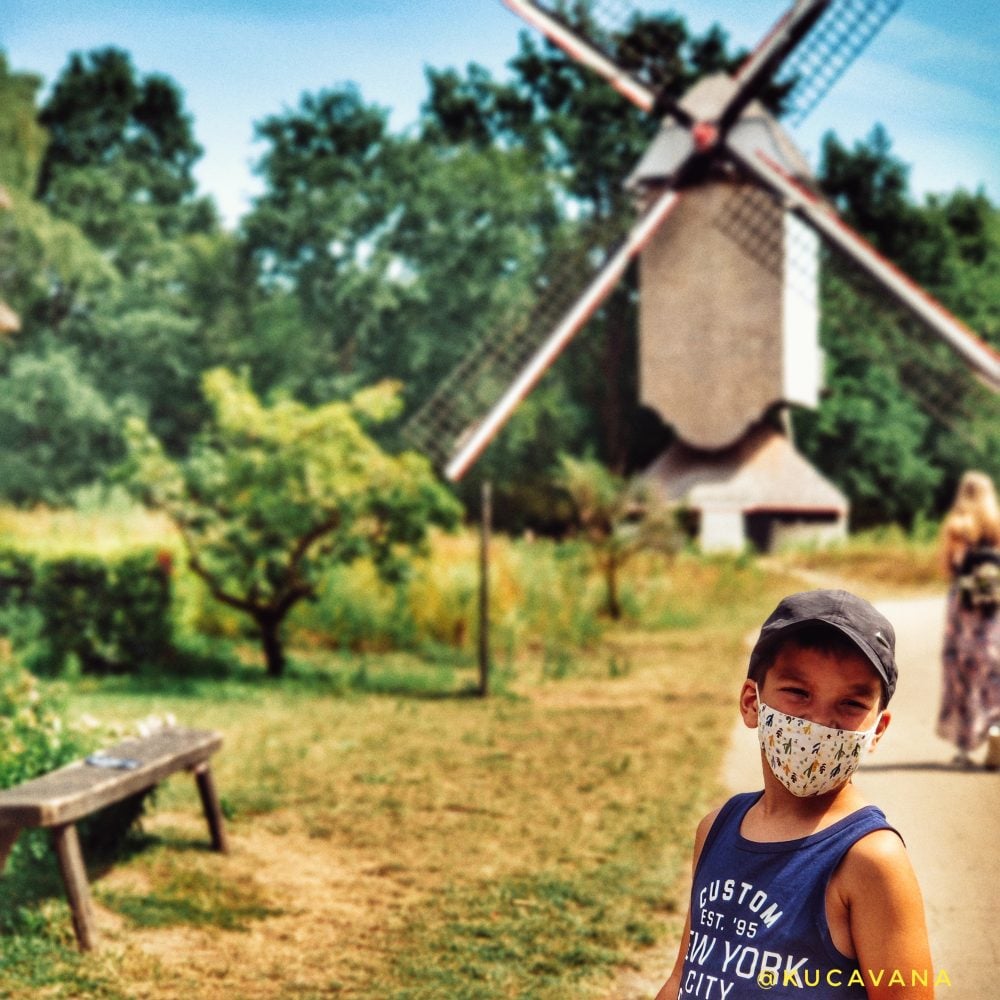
394	248
22	140
900	421
120	156
618	517
57	432
271	495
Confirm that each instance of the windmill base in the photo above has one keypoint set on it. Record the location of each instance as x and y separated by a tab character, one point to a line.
759	492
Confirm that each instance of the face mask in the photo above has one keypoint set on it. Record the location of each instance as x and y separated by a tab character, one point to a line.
807	758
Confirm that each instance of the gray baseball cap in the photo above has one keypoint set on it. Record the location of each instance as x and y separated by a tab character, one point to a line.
867	628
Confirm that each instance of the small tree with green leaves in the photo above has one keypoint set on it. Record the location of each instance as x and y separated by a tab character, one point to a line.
271	495
618	517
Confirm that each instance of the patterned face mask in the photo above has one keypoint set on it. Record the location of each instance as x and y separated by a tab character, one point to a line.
807	758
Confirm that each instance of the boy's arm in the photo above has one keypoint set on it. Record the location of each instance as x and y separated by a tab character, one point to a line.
670	989
886	915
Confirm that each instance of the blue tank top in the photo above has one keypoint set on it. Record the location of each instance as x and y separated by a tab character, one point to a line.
758	913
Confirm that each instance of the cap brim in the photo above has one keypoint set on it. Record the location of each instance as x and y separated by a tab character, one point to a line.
864	647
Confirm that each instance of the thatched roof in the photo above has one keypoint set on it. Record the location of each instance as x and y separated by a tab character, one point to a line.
761	473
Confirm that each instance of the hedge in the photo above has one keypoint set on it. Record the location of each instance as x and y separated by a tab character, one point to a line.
98	615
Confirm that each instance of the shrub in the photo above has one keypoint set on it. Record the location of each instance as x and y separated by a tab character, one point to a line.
108	615
33	740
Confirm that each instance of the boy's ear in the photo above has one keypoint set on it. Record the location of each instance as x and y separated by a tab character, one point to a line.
749	703
883	724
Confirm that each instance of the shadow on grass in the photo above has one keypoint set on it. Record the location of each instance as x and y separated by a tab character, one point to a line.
435	676
185	891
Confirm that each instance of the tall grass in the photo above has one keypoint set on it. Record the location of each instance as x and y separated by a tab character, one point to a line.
886	557
112	530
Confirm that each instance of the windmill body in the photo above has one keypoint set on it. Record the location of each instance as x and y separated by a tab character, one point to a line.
729	298
728	334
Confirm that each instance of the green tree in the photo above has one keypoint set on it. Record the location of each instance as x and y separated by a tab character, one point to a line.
120	156
618	517
22	139
57	432
270	495
392	246
902	419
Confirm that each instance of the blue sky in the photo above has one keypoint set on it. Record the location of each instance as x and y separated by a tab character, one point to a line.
932	77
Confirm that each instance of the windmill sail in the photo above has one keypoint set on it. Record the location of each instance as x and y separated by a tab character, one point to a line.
590	48
479	396
838	38
881	333
806	51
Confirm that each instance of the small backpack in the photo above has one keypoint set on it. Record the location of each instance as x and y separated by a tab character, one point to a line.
978	580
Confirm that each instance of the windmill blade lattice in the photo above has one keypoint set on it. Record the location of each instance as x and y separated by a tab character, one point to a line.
600	34
875	328
477	397
844	29
864	323
983	358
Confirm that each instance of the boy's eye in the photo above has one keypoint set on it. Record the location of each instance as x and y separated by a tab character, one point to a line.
798	692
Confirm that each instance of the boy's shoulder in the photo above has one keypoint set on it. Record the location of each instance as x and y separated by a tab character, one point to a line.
875	856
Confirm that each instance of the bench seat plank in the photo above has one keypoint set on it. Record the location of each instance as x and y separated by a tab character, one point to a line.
79	789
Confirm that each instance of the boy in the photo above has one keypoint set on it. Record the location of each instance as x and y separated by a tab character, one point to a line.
803	890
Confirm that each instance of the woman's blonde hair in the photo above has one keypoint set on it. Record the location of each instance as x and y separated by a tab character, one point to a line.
974	518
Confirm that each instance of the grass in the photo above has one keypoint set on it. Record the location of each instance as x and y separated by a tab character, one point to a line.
885	559
395	838
519	846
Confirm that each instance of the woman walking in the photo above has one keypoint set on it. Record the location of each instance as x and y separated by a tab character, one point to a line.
970	548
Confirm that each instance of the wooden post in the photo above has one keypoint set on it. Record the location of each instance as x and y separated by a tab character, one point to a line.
486	518
74	875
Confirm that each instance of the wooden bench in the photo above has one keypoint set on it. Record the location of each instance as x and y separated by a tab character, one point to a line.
58	799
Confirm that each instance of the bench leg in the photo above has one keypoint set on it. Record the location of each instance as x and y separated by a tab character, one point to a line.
8	836
74	874
210	803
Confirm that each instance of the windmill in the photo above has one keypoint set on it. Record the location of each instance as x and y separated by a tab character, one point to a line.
729	236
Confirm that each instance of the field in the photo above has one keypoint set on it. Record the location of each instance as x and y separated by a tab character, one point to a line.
394	836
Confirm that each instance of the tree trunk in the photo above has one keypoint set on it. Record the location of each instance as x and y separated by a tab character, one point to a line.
270	637
611	582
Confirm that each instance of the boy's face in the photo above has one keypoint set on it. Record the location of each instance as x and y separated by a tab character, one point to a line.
839	690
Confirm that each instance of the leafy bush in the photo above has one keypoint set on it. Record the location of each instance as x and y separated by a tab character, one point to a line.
107	615
33	741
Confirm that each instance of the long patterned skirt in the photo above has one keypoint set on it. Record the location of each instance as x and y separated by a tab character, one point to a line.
970	702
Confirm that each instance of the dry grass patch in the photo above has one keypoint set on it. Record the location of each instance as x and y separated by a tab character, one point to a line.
527	845
430	845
